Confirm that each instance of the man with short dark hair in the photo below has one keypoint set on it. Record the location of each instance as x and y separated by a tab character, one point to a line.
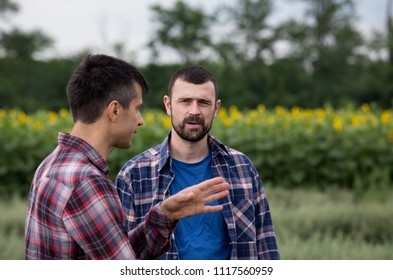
74	211
188	155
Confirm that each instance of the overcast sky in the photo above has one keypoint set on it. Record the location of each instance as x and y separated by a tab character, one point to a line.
96	24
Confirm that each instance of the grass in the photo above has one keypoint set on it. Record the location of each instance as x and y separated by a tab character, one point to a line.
12	219
334	225
310	225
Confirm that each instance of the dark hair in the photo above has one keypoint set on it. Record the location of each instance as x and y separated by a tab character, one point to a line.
98	80
193	74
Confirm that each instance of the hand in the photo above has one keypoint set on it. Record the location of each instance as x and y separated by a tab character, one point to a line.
191	201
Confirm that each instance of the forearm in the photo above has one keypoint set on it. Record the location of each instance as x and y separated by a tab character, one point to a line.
151	238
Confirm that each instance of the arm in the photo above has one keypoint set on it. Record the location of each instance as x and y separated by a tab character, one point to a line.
150	239
266	238
148	230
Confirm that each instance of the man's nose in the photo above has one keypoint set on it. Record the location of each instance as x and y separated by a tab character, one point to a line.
141	121
194	108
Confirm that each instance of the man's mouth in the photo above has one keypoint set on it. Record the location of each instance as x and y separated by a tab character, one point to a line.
193	121
194	124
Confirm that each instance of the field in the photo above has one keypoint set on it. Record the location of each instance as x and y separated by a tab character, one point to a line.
328	172
310	225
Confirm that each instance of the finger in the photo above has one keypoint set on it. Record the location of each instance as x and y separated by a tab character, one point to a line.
217	188
216	196
210	209
209	183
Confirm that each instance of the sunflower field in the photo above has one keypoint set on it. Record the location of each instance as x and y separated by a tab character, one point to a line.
328	173
323	148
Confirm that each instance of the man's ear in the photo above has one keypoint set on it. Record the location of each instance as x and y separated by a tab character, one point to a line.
113	110
167	103
218	104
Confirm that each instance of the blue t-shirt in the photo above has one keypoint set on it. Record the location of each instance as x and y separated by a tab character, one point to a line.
204	236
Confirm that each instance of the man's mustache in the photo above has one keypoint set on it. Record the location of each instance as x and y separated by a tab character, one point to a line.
193	119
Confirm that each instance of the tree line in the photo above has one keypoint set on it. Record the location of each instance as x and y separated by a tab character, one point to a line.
321	58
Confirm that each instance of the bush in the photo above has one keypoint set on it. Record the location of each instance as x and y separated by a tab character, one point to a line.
299	147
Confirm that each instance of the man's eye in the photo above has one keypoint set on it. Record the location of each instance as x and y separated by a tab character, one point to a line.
202	102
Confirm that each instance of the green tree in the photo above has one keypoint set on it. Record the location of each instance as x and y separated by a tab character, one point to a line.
17	43
328	43
31	85
389	27
252	35
7	6
182	29
247	50
378	79
24	45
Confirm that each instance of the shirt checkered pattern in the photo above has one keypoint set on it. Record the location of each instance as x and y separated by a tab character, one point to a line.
144	181
74	211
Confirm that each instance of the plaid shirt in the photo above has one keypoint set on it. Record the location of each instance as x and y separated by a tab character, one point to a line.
74	211
144	181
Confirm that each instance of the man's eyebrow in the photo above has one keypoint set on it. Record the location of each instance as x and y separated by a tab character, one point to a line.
194	98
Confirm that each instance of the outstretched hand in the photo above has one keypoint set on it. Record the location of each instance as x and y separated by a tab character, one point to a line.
192	200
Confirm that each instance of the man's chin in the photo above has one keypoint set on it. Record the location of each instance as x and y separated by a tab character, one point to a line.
193	137
124	146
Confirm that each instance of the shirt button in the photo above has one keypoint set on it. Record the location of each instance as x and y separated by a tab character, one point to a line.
174	257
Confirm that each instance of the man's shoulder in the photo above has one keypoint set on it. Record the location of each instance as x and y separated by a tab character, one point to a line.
80	160
238	158
149	153
149	157
67	168
231	156
229	152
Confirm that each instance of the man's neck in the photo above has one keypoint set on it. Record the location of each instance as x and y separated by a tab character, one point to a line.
187	151
92	134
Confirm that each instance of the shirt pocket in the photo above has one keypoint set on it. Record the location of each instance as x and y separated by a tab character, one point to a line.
244	213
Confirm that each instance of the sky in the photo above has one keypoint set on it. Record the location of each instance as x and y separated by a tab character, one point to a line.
75	25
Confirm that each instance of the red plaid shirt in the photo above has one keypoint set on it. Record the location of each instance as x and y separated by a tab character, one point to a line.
74	211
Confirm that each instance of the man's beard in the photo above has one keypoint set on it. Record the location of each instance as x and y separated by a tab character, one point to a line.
194	134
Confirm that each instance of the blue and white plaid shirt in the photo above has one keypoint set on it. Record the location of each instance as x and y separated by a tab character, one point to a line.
145	180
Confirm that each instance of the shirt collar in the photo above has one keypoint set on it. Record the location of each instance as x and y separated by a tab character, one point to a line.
164	155
216	147
86	149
